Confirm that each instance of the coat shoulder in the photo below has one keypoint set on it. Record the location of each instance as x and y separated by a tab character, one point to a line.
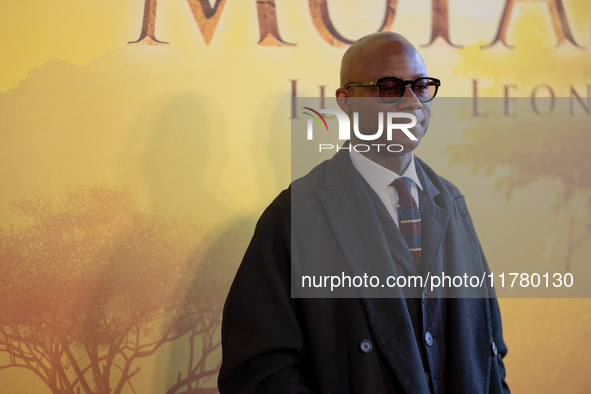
312	180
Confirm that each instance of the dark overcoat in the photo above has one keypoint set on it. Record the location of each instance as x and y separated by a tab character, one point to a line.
274	343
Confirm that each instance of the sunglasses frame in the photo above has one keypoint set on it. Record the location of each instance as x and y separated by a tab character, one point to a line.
378	83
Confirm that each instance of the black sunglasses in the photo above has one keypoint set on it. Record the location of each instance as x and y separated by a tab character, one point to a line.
391	89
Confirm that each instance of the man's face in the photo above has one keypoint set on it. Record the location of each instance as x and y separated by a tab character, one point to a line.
378	60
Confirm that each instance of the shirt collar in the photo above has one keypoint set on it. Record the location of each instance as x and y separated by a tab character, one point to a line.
378	177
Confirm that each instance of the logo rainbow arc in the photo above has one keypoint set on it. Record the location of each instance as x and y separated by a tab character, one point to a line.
316	118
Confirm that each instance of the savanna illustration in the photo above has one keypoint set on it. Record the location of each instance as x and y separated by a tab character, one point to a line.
91	283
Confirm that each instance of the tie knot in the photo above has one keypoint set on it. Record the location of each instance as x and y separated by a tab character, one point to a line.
403	185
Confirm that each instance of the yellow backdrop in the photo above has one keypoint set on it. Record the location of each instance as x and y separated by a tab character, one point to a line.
140	141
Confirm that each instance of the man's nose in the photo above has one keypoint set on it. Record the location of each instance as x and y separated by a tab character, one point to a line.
409	101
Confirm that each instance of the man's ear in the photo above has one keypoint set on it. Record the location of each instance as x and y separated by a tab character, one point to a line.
343	95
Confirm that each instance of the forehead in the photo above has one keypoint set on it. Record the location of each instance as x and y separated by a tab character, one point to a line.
387	58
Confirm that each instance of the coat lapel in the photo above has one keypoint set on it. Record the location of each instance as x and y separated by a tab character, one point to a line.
435	210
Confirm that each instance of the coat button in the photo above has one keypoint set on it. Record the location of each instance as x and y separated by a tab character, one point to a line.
493	348
428	338
366	346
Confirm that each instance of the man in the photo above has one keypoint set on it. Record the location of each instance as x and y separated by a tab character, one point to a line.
382	210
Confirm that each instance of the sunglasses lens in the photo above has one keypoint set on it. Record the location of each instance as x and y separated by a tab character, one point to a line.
425	89
391	89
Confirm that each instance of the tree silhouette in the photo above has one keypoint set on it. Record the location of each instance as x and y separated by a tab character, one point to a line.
530	148
88	286
201	315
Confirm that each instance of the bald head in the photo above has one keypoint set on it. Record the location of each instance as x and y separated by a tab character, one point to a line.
375	48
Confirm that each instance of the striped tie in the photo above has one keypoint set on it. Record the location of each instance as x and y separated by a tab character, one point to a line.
409	219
